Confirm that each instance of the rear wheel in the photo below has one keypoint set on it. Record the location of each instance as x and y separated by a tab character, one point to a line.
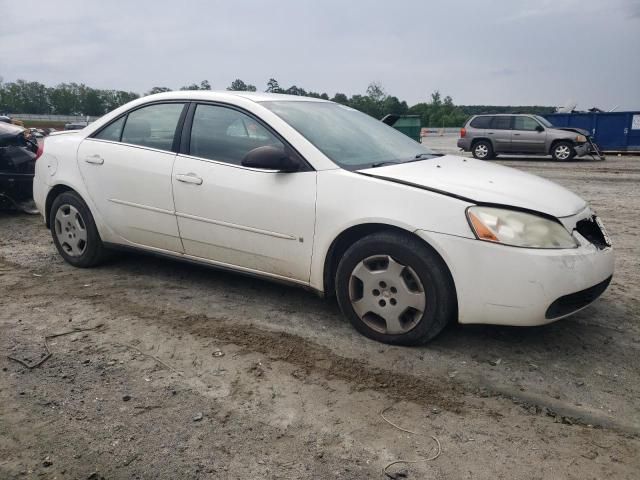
74	231
395	289
563	151
483	150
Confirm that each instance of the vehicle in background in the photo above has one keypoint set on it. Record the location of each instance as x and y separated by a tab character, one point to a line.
17	165
36	132
75	125
486	136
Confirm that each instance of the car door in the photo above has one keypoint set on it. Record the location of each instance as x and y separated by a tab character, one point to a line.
528	136
252	219
127	167
499	132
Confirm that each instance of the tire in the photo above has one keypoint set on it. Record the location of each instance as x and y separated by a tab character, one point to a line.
363	282
483	150
563	151
74	231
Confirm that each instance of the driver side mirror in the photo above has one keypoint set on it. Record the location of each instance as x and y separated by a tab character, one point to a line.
539	129
271	158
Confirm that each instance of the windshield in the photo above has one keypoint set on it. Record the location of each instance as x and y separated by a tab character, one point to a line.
544	121
348	137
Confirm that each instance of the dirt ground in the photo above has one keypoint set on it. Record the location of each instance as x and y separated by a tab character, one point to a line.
187	372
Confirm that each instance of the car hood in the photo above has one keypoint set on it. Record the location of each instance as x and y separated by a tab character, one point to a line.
581	131
478	181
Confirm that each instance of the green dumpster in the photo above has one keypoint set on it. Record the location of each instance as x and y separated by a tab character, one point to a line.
410	125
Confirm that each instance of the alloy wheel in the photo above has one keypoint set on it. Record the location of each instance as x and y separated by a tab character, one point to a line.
481	151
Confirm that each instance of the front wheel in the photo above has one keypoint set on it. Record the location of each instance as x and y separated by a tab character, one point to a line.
74	231
395	289
563	151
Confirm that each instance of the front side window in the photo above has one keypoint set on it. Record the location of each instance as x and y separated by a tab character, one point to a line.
153	126
501	123
349	138
227	135
525	123
112	131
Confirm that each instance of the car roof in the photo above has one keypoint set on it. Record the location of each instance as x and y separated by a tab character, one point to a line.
505	114
214	95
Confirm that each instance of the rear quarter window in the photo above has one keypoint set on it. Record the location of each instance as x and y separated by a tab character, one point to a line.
481	122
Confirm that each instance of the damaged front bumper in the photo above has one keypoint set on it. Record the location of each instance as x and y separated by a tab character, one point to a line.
503	285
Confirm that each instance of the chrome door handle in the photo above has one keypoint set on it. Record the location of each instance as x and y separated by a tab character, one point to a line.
189	178
94	159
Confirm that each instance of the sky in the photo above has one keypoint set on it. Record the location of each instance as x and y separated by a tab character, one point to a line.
502	52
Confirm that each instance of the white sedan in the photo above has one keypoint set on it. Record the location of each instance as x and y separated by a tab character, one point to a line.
317	194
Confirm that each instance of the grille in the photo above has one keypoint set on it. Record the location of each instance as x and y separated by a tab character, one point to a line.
575	301
589	229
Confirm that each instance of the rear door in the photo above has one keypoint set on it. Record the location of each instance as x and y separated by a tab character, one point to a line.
127	166
526	136
257	220
500	133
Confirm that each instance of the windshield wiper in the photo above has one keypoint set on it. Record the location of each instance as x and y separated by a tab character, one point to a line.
425	154
386	162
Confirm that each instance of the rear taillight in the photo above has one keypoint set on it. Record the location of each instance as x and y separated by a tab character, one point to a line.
40	150
463	132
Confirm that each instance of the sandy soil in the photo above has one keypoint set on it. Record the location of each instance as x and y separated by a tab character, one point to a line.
187	372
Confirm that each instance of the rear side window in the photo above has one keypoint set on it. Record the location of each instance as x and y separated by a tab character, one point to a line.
113	131
525	123
226	135
153	126
501	123
481	122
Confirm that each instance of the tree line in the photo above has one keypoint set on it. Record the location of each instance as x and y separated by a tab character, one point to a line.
22	96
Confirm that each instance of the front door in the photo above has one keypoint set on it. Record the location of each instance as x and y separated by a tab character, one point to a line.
257	220
528	136
127	169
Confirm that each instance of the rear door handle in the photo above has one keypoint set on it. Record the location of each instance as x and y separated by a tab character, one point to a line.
94	159
189	178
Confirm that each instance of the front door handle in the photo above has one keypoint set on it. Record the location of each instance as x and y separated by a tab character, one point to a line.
94	159
189	178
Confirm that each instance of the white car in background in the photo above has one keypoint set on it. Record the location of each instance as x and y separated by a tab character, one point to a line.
317	194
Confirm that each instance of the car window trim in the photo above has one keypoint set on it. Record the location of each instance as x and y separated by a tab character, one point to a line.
185	143
176	134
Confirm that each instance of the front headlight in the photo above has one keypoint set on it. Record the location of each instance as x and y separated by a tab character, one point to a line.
518	229
581	139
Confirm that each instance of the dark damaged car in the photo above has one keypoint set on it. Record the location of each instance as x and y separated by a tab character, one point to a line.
17	165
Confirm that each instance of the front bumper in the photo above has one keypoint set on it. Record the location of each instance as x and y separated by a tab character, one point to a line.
587	148
498	284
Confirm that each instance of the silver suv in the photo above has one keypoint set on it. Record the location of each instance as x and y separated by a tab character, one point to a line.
488	135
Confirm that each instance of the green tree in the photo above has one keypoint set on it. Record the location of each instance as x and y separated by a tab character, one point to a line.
340	98
155	90
239	86
204	85
273	86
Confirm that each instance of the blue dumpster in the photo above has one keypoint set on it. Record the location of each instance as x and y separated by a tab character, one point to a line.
612	131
